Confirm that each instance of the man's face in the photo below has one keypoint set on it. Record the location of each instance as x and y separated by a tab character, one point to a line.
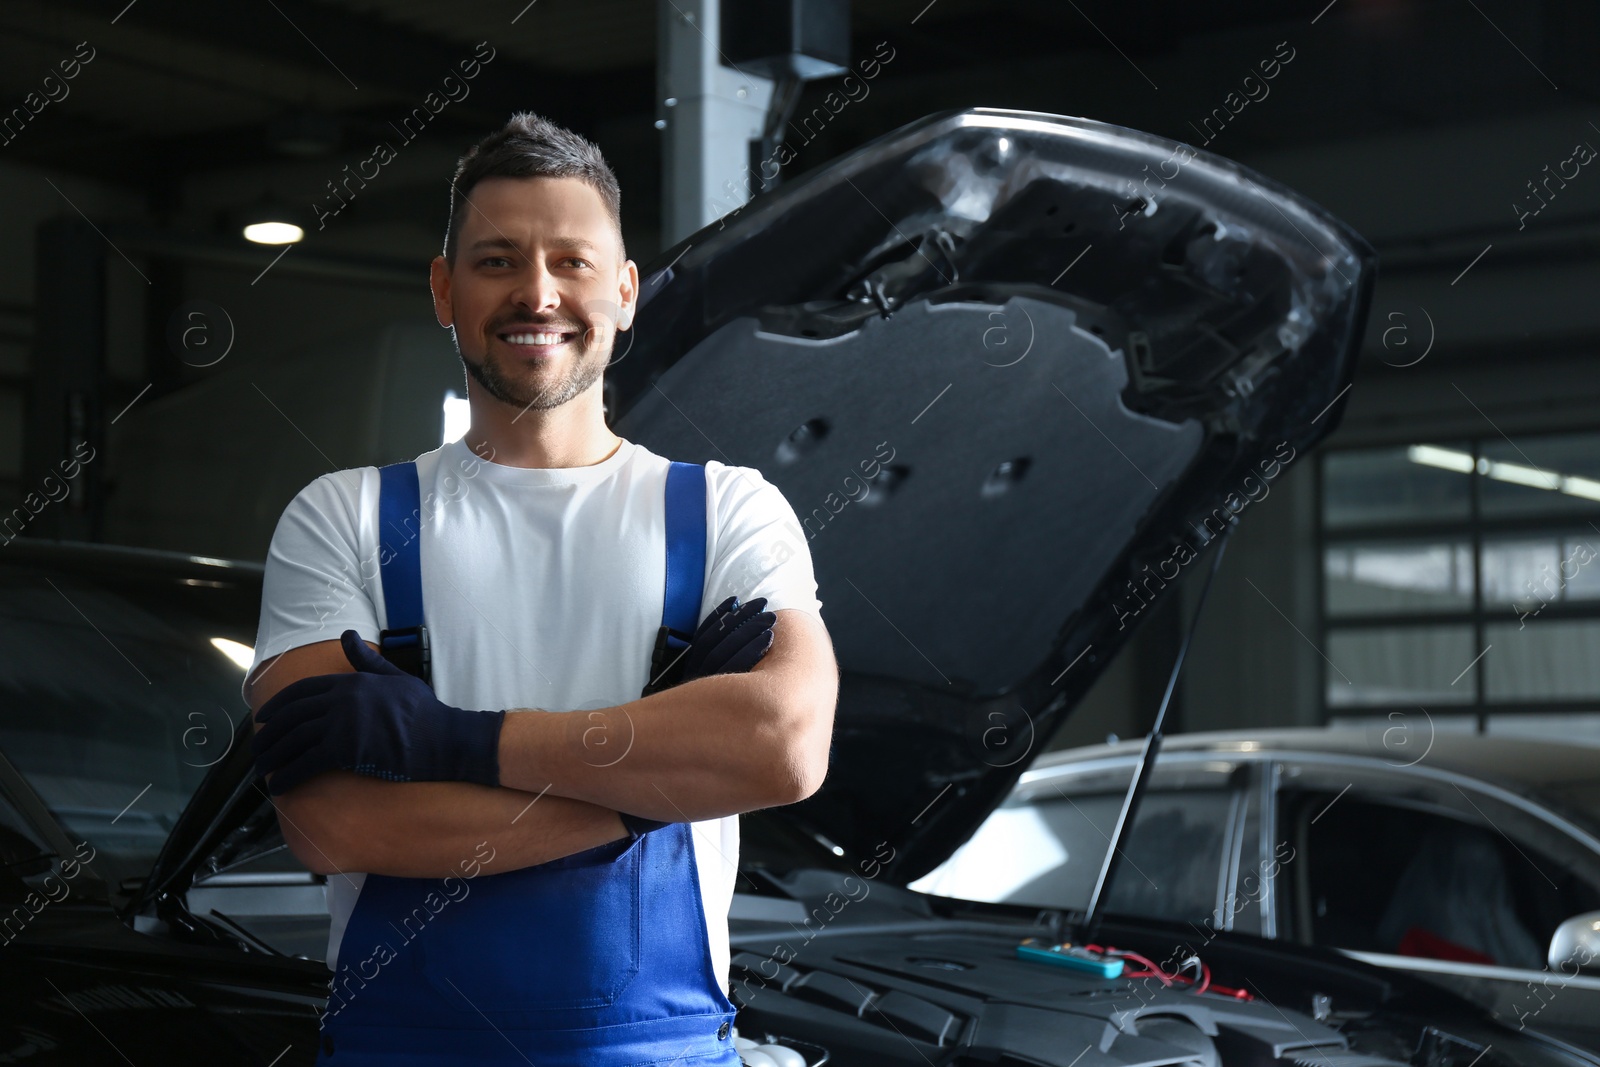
538	289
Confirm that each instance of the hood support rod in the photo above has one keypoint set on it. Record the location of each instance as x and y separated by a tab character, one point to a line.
1141	772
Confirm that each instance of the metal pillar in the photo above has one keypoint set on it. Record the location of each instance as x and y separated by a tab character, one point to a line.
63	462
708	114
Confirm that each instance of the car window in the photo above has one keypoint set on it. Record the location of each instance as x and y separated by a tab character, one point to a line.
1433	873
1045	846
1174	855
1579	801
114	700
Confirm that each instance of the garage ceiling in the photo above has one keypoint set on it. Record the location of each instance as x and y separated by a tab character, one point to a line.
180	89
179	86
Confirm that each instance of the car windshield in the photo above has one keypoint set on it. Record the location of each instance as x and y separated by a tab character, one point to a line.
117	691
1046	844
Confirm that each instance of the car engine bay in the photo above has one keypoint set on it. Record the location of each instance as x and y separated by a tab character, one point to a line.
874	974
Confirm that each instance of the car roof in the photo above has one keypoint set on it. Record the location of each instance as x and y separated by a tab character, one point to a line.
1523	763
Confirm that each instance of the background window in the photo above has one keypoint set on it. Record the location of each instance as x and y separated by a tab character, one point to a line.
1386	486
1367	577
1464	574
1400	666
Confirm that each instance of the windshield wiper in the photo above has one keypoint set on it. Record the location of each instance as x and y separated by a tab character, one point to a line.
246	934
1141	772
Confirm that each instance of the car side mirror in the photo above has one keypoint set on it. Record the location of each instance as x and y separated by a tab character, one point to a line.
1576	942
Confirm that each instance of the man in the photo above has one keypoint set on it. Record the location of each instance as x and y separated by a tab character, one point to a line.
521	884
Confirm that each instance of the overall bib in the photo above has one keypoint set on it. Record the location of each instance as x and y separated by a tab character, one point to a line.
599	959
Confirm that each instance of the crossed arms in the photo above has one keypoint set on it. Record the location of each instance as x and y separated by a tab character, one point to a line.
710	747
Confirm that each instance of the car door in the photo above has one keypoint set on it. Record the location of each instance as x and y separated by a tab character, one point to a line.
1189	856
1431	872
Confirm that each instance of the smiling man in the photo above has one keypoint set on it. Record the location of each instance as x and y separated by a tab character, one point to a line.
528	860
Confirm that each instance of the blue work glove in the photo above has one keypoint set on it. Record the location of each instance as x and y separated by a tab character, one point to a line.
379	721
730	640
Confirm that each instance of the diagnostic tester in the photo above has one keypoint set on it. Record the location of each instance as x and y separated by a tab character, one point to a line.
1071	957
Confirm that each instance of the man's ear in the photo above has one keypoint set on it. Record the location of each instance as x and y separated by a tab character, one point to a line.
627	294
439	282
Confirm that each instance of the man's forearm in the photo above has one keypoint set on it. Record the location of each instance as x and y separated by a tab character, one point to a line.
707	748
341	823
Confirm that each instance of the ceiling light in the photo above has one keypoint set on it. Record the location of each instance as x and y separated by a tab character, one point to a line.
270	221
1517	474
1587	488
273	233
1446	458
1451	459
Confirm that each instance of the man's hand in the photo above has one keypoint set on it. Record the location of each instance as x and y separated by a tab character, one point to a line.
379	721
730	640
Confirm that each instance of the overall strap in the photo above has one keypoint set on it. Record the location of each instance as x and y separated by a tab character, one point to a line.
686	552
404	642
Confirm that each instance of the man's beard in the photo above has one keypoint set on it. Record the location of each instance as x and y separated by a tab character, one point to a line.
587	367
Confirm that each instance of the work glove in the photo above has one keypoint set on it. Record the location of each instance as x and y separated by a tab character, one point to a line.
379	721
730	640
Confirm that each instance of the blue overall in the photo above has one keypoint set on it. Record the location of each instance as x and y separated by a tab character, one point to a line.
600	959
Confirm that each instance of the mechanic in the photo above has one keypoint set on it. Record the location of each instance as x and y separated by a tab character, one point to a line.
527	860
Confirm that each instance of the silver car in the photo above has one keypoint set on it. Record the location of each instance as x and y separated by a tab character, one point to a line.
1471	861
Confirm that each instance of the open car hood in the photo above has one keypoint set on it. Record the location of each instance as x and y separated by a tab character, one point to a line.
1013	371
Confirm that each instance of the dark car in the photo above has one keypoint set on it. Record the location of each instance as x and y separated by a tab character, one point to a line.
1471	861
1014	372
117	746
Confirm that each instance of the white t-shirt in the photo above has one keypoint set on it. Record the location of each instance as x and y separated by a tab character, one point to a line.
541	588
